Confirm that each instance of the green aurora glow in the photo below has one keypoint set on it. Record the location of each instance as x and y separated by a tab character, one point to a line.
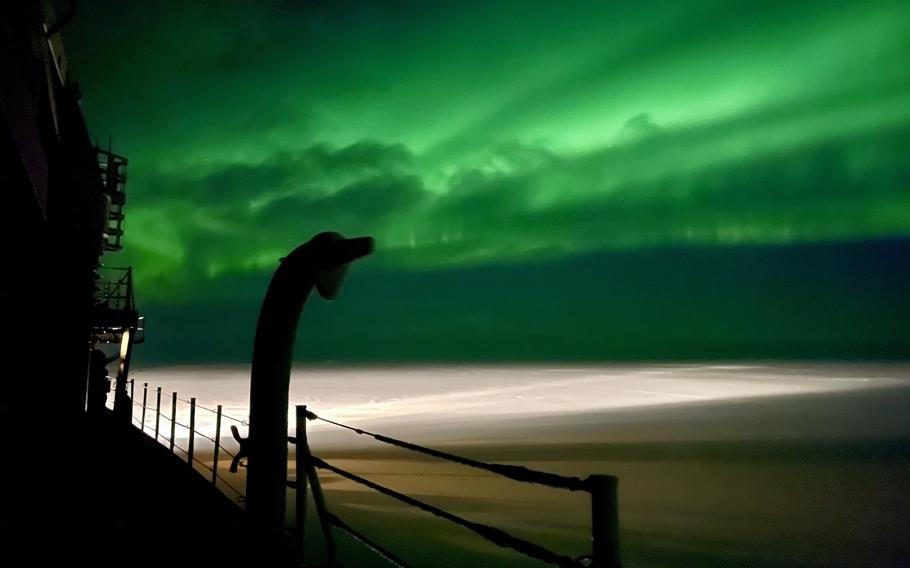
472	136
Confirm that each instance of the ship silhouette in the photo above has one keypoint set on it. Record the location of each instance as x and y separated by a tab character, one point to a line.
89	485
72	464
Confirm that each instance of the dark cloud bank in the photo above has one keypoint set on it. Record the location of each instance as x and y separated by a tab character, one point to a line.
829	300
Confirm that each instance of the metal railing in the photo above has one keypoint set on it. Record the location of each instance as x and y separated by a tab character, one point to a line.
116	291
601	488
191	431
112	174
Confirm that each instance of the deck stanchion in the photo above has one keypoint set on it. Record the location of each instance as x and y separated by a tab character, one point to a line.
145	396
604	521
217	446
303	447
301	465
192	442
173	417
157	412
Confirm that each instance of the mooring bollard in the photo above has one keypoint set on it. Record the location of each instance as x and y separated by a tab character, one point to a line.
217	446
301	465
145	396
173	417
604	521
192	442
157	412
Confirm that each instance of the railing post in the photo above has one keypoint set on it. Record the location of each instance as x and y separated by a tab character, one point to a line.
192	442
145	396
301	465
173	417
132	398
157	412
303	447
217	446
604	521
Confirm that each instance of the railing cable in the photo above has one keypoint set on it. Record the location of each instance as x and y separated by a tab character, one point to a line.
213	411
182	425
366	541
492	534
162	437
516	472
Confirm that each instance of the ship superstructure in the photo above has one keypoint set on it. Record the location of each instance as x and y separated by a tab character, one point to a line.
82	487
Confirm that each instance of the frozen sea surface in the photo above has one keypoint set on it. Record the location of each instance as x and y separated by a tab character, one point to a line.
719	465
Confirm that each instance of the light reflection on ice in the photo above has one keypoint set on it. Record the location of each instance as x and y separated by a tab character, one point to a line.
436	394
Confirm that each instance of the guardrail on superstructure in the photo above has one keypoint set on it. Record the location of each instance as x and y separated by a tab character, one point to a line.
115	289
601	488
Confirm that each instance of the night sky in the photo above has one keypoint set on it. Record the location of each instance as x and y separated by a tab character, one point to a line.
544	180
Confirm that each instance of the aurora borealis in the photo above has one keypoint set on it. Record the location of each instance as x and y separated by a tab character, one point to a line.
545	180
